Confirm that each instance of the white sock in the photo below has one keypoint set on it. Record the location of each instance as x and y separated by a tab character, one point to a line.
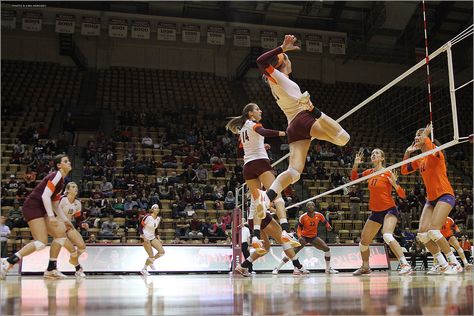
283	220
451	257
461	254
440	258
250	259
328	264
276	186
281	264
256	227
403	260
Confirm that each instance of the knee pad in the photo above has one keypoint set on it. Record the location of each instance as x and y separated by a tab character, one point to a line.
435	235
39	245
327	254
424	237
60	241
286	246
342	137
363	248
388	238
295	175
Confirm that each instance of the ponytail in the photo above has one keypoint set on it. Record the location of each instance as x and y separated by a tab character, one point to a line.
236	123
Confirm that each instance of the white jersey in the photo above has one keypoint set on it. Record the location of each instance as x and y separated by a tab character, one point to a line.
245	235
69	209
287	94
253	142
149	226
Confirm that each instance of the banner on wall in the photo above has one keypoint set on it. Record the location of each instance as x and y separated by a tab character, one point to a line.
90	26
8	19
32	21
118	28
269	39
242	37
314	43
65	23
166	32
141	29
215	35
337	45
191	33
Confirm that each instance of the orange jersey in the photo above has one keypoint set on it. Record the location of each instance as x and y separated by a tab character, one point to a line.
308	226
380	190
448	226
433	171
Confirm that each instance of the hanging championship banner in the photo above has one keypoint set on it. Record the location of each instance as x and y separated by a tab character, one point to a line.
90	26
242	37
337	45
166	32
141	29
118	28
65	23
314	43
32	21
8	19
215	35
268	39
191	33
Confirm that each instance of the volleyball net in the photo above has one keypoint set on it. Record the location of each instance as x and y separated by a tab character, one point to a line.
389	118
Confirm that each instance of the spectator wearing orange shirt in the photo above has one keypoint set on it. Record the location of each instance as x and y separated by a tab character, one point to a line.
466	246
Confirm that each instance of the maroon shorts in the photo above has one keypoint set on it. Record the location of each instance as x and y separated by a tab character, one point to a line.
300	127
33	209
253	169
267	220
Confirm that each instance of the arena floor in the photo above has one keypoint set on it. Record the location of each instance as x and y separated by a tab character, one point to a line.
317	294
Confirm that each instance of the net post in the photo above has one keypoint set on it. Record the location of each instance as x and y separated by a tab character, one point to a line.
452	92
236	238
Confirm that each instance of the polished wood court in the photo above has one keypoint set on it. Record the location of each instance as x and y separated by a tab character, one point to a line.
381	293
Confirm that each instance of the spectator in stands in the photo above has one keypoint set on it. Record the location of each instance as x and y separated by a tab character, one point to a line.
321	172
147	142
169	161
218	168
4	234
129	204
109	228
198	201
189	175
226	221
143	202
190	159
332	212
12	185
92	239
468	206
336	179
459	215
84	231
195	228
15	217
106	188
154	198
355	197
229	202
201	174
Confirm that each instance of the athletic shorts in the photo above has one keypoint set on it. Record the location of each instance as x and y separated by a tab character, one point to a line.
33	209
379	216
267	220
300	127
447	198
253	169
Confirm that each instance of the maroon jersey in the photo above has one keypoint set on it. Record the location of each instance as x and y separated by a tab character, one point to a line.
51	186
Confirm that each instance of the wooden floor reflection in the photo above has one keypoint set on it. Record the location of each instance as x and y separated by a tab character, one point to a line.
377	294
